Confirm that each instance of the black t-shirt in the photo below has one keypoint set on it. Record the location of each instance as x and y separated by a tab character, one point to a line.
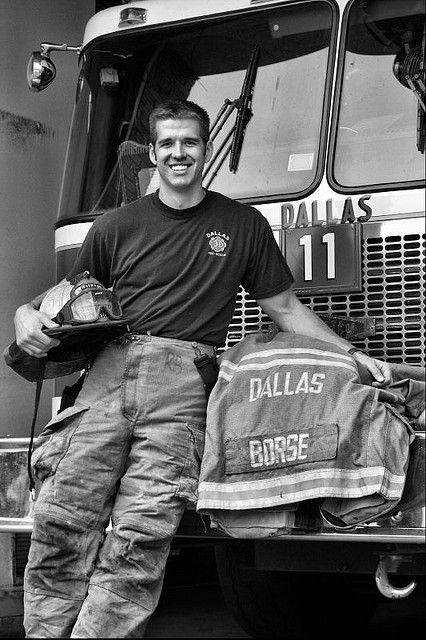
177	272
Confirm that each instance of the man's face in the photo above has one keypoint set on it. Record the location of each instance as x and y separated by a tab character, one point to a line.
180	153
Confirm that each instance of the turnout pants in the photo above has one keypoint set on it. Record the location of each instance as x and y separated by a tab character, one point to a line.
117	470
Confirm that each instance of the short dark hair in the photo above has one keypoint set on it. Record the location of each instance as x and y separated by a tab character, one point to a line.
179	110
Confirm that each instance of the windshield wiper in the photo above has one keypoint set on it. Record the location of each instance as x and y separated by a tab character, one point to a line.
222	117
409	70
417	86
224	113
244	110
243	104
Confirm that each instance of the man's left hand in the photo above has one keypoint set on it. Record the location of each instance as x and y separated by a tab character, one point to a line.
374	372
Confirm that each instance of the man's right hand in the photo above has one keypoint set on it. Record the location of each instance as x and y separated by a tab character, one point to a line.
28	329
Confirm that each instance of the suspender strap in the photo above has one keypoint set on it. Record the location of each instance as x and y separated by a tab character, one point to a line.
39	385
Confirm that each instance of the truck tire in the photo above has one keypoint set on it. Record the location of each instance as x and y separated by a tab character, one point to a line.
290	605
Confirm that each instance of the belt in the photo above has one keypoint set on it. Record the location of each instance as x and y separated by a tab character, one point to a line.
133	336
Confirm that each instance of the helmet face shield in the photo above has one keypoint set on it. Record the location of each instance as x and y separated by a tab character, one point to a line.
81	302
89	306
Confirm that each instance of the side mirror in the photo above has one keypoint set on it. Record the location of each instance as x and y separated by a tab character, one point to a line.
40	71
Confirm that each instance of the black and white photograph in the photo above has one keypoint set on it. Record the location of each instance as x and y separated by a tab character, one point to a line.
212	319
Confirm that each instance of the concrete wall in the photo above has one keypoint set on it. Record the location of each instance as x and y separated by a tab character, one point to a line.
33	135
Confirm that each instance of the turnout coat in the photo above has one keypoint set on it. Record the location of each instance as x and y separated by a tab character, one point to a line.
289	420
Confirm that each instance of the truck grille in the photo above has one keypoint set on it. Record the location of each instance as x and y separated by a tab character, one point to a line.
393	277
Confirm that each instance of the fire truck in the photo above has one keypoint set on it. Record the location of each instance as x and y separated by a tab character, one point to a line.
318	120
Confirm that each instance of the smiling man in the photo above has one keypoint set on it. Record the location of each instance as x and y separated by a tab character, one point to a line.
129	450
180	149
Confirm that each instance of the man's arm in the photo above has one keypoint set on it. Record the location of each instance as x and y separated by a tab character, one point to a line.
286	310
93	256
29	322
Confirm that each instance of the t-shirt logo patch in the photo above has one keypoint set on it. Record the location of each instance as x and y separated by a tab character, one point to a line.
217	242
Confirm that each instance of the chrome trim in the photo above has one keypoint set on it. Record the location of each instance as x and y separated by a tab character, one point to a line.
16	525
386	564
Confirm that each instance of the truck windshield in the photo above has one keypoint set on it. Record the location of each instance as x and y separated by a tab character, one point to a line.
382	97
125	74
